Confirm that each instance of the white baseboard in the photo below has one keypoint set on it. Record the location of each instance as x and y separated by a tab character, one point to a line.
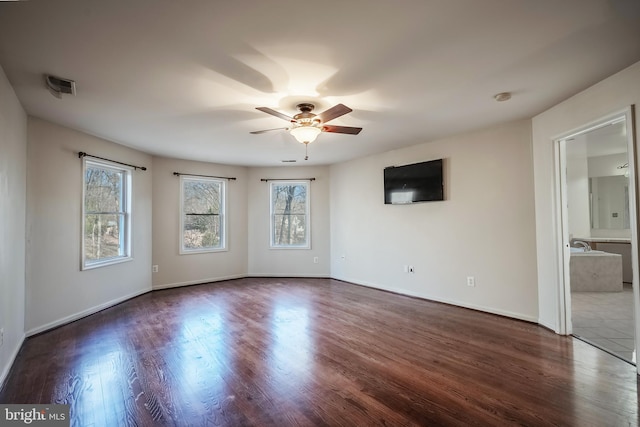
284	276
550	327
232	277
12	359
113	302
198	282
84	313
406	292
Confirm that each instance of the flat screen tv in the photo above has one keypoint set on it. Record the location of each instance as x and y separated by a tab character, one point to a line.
418	182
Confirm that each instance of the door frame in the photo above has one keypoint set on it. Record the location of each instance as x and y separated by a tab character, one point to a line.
565	326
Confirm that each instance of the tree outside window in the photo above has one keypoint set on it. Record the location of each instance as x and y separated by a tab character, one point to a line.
106	214
289	214
203	222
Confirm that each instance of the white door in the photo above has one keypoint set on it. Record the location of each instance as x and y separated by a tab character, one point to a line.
597	205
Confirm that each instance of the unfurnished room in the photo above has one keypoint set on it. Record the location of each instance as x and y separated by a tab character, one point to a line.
356	213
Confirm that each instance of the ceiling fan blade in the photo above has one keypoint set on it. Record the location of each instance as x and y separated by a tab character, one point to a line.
341	129
274	113
333	112
255	132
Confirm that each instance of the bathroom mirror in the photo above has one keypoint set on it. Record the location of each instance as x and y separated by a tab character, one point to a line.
609	197
598	183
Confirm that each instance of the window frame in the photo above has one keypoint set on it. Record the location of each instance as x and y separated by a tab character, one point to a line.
272	244
223	216
125	230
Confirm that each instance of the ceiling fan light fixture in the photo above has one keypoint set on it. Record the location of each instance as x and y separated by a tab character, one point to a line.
305	134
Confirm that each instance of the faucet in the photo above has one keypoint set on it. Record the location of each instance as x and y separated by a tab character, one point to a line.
585	245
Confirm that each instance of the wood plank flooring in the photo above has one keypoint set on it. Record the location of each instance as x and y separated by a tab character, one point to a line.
316	352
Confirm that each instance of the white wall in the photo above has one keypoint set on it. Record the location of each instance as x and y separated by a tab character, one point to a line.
608	165
13	191
611	95
57	291
484	228
175	269
264	261
578	189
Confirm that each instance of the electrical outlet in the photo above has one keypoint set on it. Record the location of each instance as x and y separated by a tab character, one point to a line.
315	259
154	269
471	281
406	268
411	270
1	336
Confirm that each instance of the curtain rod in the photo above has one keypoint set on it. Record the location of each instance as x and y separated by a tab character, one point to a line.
82	154
287	179
230	178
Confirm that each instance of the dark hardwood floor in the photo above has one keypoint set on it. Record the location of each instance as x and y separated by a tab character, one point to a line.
281	352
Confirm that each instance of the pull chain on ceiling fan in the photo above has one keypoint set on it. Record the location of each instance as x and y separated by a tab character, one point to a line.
306	126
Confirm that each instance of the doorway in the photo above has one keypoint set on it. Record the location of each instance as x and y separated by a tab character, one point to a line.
599	238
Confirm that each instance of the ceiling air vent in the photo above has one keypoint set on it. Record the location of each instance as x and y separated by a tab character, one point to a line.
58	86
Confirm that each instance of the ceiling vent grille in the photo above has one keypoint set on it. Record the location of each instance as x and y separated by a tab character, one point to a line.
59	86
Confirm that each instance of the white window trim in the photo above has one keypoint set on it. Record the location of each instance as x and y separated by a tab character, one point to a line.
272	244
128	213
223	217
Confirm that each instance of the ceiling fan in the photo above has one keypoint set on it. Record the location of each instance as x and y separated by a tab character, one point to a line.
306	126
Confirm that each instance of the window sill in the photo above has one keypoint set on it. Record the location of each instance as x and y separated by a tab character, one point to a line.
201	251
105	263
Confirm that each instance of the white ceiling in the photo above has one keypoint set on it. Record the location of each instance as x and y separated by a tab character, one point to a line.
183	78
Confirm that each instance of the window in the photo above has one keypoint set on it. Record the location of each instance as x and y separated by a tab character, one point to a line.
290	214
202	219
106	214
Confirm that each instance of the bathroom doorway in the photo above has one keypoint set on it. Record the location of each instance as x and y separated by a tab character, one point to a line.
599	221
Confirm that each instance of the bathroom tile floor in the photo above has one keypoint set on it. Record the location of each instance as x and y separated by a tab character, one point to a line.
606	320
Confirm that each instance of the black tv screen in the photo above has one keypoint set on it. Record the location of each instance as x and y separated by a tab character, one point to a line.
418	182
